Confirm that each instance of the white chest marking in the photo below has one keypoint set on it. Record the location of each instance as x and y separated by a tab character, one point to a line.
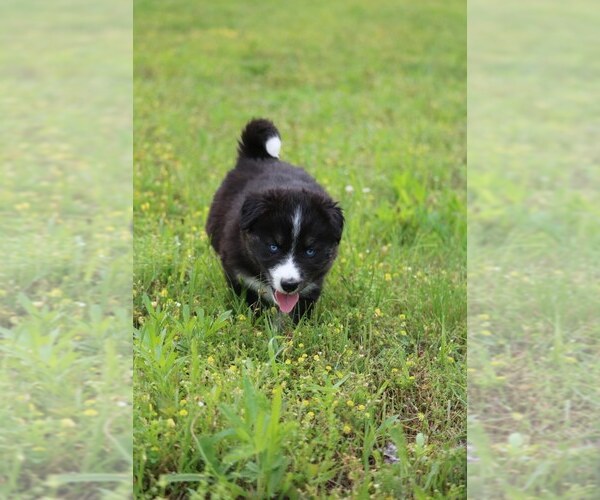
262	290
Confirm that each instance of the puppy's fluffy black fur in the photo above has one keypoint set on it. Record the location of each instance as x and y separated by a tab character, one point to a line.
275	229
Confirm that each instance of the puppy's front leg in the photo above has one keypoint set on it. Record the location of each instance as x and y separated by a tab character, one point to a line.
305	305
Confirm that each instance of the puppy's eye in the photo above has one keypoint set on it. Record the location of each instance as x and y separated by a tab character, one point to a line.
310	252
273	248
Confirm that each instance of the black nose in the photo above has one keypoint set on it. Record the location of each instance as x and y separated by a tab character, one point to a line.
289	285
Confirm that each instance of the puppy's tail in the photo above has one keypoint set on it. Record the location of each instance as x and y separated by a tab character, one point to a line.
260	139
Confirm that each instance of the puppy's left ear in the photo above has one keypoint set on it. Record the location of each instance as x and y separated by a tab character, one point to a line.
336	219
254	207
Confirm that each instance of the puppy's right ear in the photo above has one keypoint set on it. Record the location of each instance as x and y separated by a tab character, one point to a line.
252	209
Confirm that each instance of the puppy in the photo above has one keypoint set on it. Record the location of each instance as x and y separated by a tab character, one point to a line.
275	229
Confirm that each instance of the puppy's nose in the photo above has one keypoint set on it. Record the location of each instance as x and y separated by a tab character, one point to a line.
289	285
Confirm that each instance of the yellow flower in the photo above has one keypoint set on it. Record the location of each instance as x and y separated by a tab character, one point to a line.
388	277
210	360
377	312
316	357
310	415
170	422
55	292
183	412
288	361
486	333
403	333
361	407
347	429
328	368
350	403
300	345
90	412
402	317
67	423
183	402
241	317
394	370
164	292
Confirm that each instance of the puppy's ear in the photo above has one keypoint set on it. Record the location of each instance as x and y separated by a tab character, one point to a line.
252	209
336	219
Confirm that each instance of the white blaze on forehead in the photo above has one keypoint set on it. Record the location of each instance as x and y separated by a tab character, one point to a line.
296	222
273	146
284	272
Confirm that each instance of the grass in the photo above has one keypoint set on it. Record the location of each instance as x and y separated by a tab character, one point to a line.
367	398
533	253
65	278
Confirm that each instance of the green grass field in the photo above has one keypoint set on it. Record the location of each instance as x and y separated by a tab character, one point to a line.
371	100
66	246
534	226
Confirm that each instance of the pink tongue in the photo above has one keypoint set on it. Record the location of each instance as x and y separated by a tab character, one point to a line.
286	302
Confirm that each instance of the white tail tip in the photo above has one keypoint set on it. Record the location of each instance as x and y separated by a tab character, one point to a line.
273	146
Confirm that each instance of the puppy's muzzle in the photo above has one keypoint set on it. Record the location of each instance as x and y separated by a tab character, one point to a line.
289	286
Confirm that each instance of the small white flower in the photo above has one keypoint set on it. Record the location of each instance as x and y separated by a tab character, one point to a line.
349	189
390	453
366	190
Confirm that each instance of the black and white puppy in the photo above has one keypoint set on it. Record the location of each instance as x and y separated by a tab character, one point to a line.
276	230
